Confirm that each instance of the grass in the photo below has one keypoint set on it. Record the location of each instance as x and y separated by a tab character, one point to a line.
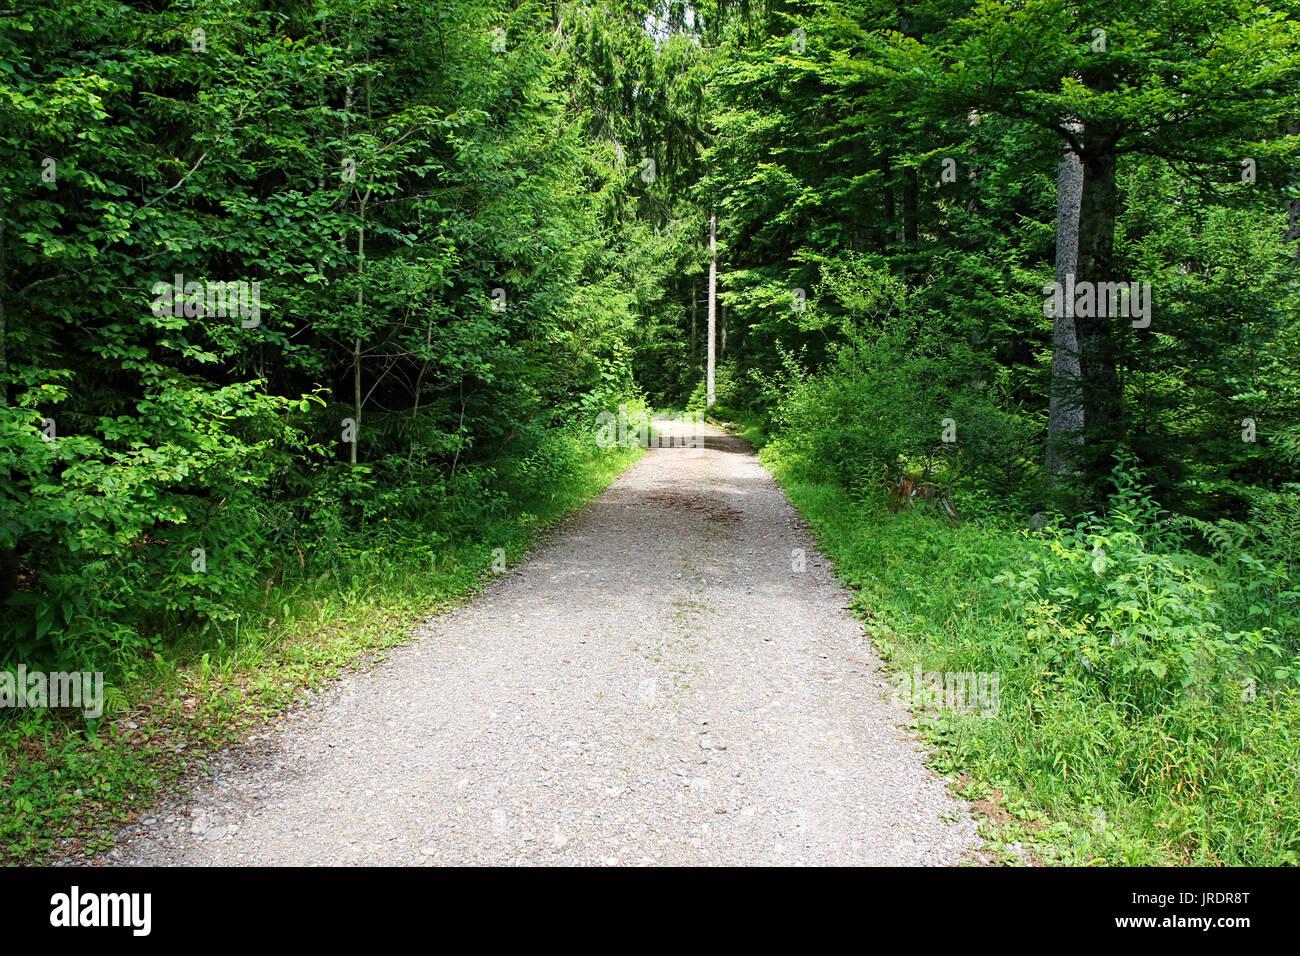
62	777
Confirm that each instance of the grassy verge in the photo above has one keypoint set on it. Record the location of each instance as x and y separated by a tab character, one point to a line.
1122	735
748	425
64	777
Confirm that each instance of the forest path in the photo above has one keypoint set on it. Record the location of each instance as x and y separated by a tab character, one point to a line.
654	684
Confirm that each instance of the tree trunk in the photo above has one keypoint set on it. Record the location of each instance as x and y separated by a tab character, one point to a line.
1065	414
713	306
356	399
361	304
356	345
692	323
1103	410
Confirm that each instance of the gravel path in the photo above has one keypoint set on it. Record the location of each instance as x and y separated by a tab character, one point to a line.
654	685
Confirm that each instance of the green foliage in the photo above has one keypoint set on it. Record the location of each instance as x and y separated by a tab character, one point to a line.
60	776
380	170
1148	694
898	168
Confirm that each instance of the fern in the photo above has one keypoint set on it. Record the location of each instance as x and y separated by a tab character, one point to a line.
1289	441
1275	523
1224	535
115	699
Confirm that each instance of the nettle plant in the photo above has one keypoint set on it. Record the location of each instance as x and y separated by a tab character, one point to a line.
1110	606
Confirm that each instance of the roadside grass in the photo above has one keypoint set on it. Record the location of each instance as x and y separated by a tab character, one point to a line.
63	777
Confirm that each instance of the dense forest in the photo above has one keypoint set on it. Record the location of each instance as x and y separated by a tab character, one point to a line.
303	297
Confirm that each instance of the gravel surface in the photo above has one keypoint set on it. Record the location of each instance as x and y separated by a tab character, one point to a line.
653	685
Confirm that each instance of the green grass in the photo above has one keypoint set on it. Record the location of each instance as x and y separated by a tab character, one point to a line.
62	777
